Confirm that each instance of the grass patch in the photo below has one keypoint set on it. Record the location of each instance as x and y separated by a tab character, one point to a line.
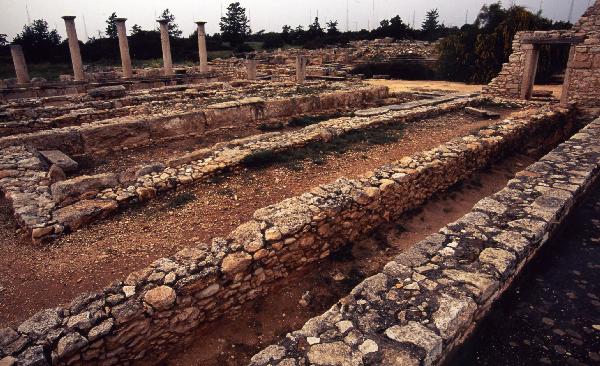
317	152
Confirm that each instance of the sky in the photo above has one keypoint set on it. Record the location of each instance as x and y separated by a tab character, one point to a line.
269	15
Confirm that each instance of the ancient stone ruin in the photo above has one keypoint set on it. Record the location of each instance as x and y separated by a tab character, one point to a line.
157	210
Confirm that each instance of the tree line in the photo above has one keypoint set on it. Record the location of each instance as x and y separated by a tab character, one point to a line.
473	53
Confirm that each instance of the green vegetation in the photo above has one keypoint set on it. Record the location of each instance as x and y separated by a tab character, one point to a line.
476	53
317	152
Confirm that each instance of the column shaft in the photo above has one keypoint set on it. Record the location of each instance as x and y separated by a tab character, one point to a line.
300	69
20	65
166	48
251	67
74	48
202	47
124	48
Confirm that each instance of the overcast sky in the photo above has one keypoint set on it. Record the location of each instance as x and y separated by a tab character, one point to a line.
264	14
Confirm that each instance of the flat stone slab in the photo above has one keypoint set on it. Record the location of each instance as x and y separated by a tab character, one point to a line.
482	113
61	159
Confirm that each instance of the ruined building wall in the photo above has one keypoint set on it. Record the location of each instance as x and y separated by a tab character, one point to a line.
583	69
157	307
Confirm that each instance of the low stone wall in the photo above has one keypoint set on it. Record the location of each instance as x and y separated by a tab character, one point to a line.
50	89
81	200
157	307
130	132
428	299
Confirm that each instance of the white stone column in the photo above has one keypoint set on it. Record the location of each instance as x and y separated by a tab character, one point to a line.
251	64
166	47
74	48
20	65
124	48
301	69
202	47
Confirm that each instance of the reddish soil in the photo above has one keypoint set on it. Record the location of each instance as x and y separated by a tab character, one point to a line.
33	278
233	340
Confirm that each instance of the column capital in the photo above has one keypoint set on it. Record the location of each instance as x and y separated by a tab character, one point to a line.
163	21
120	20
69	17
200	22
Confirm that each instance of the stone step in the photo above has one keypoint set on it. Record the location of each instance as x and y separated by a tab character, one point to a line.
61	159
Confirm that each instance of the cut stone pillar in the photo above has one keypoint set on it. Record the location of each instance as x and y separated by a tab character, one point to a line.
531	62
74	48
124	47
251	65
20	65
564	96
166	47
202	47
301	62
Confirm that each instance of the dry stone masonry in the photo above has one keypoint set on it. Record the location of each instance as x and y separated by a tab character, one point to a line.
157	307
427	299
582	78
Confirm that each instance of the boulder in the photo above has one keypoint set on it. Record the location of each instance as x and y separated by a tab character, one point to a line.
160	298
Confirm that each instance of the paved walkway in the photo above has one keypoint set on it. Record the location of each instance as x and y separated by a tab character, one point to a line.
551	315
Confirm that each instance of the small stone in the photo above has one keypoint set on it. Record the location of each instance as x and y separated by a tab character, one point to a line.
368	346
129	291
100	330
272	234
344	326
160	298
8	361
548	321
236	262
41	323
70	344
313	340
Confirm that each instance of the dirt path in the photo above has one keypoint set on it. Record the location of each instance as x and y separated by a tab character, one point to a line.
34	278
233	341
411	85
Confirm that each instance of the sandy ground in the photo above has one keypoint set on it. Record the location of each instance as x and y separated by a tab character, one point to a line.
408	85
91	258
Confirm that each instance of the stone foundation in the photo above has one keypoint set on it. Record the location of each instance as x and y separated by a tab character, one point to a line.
428	299
157	307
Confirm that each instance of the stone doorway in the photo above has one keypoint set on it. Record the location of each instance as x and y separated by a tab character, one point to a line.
531	45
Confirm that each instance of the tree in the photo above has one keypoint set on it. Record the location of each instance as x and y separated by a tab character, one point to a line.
431	25
476	53
38	42
174	30
235	25
332	28
286	32
3	40
136	29
111	26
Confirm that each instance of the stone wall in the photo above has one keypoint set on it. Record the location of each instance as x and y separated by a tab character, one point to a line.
49	89
50	210
157	307
427	300
131	132
583	69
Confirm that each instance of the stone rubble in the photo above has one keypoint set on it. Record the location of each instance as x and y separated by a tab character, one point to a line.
425	301
157	307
